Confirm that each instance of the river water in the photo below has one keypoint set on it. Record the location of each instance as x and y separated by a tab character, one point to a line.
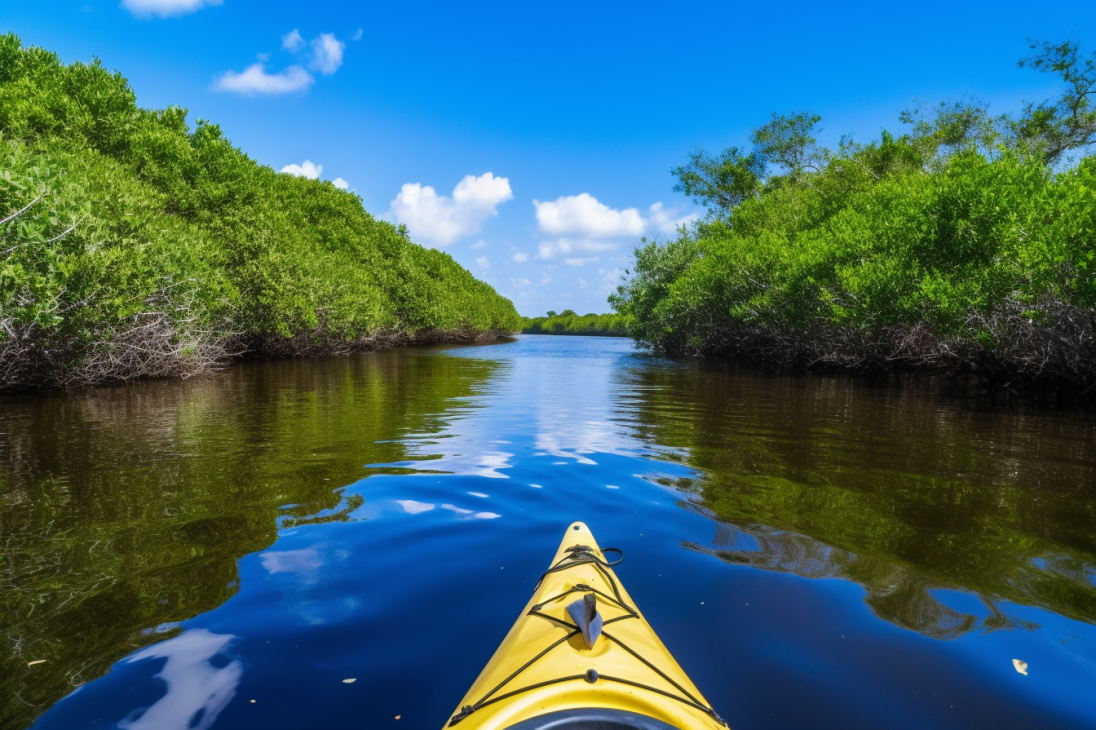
815	551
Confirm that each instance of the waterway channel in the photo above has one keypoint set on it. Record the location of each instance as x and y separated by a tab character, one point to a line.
815	551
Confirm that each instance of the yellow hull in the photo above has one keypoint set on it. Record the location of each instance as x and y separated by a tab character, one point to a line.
544	666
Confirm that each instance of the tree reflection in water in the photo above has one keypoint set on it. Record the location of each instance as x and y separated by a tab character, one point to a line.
894	485
895	592
123	509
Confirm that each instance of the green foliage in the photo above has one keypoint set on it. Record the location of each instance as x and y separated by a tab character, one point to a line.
939	228
569	323
788	141
93	247
135	213
720	183
949	128
1070	123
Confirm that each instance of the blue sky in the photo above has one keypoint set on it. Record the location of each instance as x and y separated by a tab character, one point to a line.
533	141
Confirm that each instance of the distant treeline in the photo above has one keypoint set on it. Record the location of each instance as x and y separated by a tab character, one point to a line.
569	323
132	244
967	243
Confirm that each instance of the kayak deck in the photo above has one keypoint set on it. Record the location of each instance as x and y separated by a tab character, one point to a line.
543	675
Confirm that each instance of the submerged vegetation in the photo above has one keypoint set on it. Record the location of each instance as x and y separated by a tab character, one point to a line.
98	562
569	323
967	243
134	245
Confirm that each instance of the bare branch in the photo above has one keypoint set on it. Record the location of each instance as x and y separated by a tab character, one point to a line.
20	212
66	232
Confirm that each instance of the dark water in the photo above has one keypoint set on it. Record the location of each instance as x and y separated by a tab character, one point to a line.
815	551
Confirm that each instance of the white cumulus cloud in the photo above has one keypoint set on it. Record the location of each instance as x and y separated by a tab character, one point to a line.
479	244
326	58
610	279
165	8
519	282
327	54
340	183
568	248
308	169
582	226
483	263
292	41
667	222
255	80
584	216
357	35
440	219
520	258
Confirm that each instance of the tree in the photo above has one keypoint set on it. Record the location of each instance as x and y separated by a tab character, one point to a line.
788	141
1052	129
954	126
723	183
720	183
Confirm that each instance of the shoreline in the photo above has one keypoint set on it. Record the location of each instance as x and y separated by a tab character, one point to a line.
135	356
578	334
144	353
1058	354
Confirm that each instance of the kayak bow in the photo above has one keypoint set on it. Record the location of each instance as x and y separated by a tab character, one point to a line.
543	675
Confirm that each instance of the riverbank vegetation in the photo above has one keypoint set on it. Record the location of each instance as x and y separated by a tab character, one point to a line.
967	242
133	244
569	323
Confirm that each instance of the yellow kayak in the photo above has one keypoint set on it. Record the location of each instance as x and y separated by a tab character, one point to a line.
581	656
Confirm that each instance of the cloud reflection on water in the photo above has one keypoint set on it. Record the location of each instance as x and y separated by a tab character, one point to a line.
197	690
470	514
305	564
303	590
412	507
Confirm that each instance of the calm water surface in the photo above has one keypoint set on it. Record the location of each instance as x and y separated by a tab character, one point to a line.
815	551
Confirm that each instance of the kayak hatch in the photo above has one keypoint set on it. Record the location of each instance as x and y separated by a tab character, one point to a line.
546	675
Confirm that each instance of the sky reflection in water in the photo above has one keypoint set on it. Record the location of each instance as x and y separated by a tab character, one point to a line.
196	690
814	551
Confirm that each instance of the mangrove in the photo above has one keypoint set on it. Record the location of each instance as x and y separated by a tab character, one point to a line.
967	243
569	323
133	244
